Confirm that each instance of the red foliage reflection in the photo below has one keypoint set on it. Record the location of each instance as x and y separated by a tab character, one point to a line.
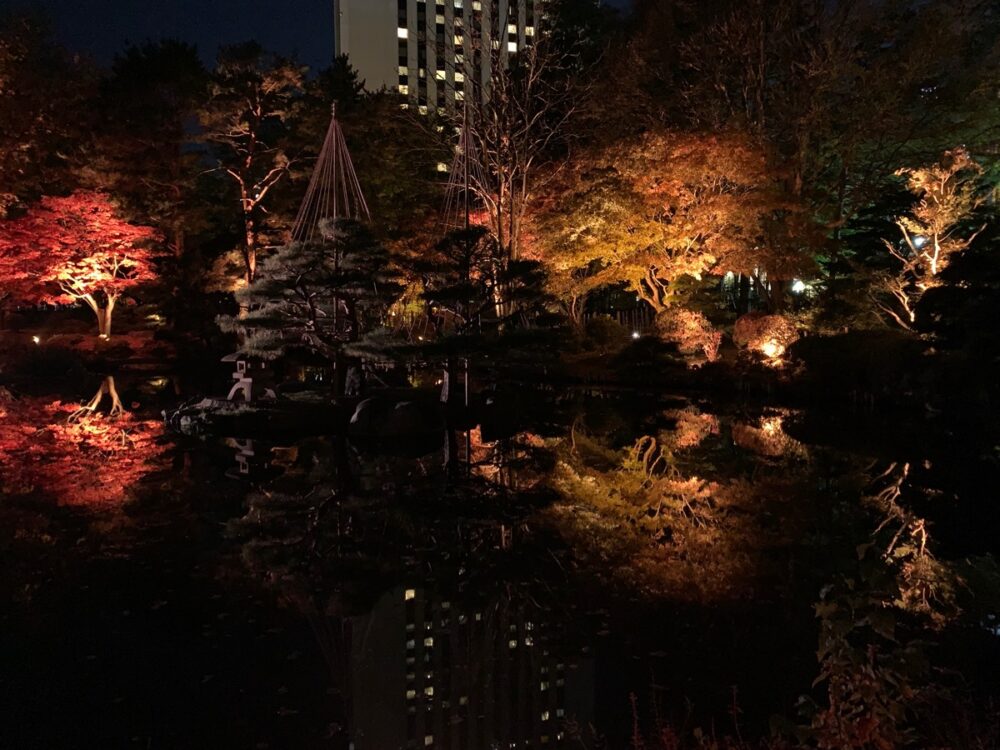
73	453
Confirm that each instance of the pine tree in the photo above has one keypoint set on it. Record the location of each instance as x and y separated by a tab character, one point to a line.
318	297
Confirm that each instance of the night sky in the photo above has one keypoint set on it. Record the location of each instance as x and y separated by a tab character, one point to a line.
101	28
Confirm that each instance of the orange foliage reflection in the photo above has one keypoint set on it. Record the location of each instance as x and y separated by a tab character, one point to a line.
768	439
74	454
692	428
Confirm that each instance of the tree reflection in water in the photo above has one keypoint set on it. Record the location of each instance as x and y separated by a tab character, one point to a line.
674	513
74	453
673	542
715	513
468	651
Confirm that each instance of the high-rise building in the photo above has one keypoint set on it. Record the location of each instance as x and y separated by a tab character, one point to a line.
430	673
432	51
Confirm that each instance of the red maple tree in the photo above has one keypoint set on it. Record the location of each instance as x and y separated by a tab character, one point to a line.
75	249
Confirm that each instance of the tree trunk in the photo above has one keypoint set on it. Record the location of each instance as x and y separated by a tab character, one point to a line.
743	297
104	318
513	231
575	308
103	314
777	295
339	376
180	240
116	403
91	407
250	254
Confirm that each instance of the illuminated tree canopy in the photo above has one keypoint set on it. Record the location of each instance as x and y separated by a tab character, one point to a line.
932	233
651	211
76	249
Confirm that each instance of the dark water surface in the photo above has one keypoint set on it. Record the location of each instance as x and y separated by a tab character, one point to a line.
451	591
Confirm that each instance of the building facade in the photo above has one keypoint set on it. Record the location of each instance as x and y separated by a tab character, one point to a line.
433	52
432	674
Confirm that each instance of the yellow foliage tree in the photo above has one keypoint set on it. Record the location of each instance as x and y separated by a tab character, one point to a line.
932	233
651	211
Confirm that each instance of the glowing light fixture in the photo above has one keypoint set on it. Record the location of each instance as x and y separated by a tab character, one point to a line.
772	349
798	286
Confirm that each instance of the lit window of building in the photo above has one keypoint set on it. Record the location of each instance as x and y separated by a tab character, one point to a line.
433	36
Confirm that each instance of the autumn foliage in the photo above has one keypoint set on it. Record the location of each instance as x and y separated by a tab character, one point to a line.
651	211
770	335
691	331
932	233
78	457
75	249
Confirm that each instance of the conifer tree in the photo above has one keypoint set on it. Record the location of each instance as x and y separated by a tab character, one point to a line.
317	296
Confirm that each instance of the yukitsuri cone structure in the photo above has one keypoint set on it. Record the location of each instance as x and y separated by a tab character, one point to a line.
466	180
334	191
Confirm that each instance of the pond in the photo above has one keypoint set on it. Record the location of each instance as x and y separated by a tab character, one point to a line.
552	569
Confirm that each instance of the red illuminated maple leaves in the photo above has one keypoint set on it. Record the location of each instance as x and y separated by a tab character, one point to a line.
91	460
75	248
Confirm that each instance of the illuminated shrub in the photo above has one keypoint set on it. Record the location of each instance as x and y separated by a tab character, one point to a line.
770	335
690	331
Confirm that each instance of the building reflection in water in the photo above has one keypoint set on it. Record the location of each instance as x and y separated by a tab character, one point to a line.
429	674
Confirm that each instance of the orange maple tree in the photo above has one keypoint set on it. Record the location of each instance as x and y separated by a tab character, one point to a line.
75	249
